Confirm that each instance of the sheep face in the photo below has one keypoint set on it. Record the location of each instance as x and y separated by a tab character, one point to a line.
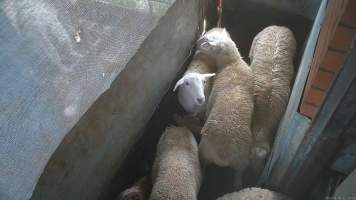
216	34
218	44
213	40
191	91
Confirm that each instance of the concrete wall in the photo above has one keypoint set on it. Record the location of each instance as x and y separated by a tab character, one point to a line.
94	149
49	79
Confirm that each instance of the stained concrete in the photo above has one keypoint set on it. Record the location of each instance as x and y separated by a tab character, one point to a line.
91	153
59	57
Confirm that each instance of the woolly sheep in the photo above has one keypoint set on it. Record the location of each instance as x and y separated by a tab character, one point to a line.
193	97
139	191
194	87
254	194
176	172
271	56
226	135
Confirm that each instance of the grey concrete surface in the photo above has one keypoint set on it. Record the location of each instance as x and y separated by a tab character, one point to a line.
56	59
89	156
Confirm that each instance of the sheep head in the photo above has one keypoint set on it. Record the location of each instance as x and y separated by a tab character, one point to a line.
191	91
218	45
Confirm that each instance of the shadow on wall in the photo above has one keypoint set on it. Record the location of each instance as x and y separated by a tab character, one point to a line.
138	162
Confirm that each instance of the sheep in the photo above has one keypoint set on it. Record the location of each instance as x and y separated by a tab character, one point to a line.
176	172
271	56
226	135
195	86
193	90
254	194
139	191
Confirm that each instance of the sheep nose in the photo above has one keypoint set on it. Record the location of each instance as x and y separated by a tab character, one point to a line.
200	100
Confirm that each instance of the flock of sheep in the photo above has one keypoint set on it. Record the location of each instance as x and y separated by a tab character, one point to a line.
234	108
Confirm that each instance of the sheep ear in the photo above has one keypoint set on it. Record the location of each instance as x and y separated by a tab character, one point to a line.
206	44
226	33
179	82
213	42
206	76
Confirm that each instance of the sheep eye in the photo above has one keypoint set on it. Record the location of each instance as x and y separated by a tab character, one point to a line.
186	83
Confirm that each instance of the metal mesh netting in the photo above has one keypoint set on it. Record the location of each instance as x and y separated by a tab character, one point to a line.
56	58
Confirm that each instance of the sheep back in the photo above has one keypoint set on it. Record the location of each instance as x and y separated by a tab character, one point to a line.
271	55
226	135
176	170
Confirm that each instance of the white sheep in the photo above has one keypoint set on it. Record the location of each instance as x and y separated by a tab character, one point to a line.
226	135
176	173
193	91
254	194
271	56
194	86
139	191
